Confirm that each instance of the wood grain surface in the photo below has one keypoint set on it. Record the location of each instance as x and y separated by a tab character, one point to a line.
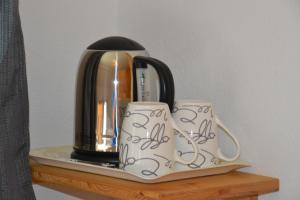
234	185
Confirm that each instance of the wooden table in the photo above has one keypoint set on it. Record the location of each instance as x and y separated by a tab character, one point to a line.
231	186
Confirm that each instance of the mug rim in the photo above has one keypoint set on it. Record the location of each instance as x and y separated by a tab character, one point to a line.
147	103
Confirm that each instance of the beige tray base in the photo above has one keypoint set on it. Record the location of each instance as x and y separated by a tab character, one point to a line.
60	157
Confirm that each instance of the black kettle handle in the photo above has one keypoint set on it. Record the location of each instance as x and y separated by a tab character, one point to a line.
165	78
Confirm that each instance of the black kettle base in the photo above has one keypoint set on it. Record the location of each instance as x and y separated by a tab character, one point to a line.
105	159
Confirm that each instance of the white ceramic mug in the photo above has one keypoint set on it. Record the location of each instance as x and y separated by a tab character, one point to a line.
199	121
147	141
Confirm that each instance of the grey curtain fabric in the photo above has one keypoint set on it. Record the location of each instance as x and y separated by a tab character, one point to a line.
15	180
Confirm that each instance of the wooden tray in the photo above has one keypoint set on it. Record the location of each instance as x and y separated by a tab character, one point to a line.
60	157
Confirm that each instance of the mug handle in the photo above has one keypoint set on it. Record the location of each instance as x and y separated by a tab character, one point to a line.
234	139
177	158
165	77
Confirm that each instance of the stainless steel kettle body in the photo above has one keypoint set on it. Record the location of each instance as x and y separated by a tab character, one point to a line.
113	72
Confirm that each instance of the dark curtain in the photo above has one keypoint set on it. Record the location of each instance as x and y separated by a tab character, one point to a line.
15	180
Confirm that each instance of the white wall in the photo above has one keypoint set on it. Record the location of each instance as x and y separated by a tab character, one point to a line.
241	55
56	32
244	57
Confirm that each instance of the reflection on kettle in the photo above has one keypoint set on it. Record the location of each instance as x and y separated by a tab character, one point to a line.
113	72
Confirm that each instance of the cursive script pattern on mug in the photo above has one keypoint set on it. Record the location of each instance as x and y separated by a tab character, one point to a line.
204	132
157	134
168	163
203	156
125	161
156	138
144	119
153	164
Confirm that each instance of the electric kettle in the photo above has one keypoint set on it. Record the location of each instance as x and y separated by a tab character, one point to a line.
113	72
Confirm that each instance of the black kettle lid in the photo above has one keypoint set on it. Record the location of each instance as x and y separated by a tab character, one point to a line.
116	43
